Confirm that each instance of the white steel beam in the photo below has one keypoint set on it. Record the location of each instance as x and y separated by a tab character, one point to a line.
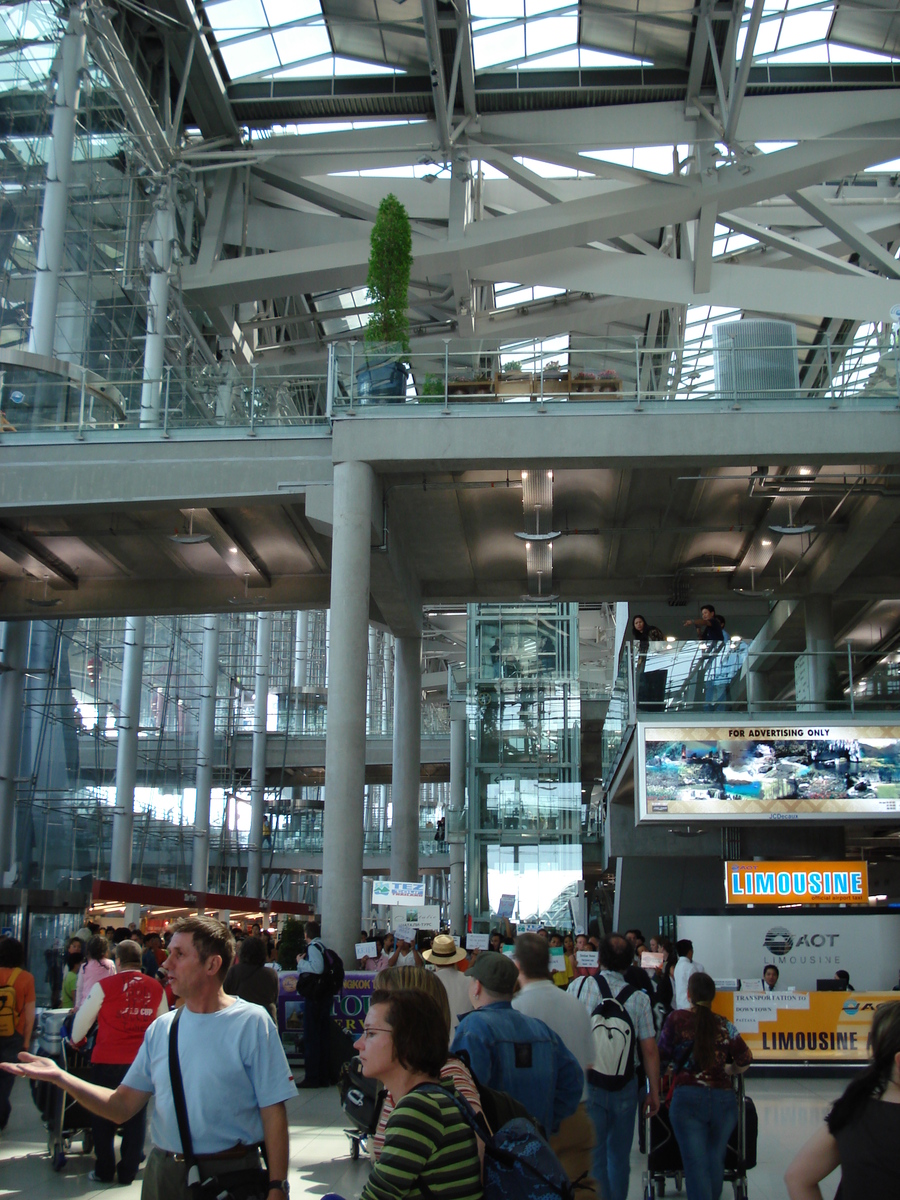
849	233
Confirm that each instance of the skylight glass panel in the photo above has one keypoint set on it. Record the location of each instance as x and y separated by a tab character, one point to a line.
250	57
550	34
658	159
496	10
505	45
796	31
548	170
566	59
803	29
237	16
280	12
302	42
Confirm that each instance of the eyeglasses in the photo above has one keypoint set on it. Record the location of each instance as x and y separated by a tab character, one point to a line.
370	1031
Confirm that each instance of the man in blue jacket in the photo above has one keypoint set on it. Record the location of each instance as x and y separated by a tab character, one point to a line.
514	1053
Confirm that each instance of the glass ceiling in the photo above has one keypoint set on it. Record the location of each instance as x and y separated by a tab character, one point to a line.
289	39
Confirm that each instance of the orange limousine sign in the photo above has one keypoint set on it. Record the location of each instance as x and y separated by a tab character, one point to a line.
796	883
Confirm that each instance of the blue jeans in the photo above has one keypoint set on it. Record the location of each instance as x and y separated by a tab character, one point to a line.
702	1120
613	1114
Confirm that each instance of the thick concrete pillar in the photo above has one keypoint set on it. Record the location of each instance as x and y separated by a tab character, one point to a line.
206	741
455	838
407	754
345	740
14	651
51	247
816	674
258	759
126	749
161	240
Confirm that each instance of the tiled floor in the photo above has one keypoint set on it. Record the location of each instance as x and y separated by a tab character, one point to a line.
789	1111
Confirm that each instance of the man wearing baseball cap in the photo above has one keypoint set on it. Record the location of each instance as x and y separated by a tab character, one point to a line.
444	956
515	1053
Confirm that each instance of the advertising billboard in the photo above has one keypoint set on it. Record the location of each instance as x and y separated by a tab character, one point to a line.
796	883
806	947
737	771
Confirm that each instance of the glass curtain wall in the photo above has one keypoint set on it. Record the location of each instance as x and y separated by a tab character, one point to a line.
66	783
524	792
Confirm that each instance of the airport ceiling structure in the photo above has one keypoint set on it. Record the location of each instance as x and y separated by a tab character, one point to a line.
623	170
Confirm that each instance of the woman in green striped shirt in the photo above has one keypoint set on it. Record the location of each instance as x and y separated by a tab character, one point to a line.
427	1141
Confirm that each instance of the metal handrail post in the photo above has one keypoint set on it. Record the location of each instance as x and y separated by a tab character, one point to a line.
329	382
830	370
352	371
252	430
165	432
637	374
850	673
734	404
81	408
446	375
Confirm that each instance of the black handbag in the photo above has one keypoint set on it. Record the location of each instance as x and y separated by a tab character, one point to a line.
241	1184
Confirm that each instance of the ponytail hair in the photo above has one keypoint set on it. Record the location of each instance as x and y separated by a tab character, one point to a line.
884	1046
701	992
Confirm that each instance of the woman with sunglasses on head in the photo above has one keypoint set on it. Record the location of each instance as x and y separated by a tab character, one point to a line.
862	1130
429	1148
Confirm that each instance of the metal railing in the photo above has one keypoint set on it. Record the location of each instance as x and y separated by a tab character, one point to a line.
739	677
607	375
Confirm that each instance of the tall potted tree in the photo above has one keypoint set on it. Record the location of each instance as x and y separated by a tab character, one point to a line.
387	333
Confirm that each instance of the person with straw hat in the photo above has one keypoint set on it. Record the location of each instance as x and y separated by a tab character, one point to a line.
444	956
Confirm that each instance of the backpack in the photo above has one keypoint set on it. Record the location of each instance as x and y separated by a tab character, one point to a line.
518	1162
8	1002
613	1039
330	982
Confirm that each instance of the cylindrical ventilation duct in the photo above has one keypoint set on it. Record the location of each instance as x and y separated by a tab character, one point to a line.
756	360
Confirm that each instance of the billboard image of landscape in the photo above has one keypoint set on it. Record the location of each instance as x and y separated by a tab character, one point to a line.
767	772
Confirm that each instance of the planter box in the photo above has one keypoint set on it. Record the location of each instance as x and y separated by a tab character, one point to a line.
384	384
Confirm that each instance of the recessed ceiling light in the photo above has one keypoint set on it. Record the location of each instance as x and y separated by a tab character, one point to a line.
232	549
806	470
767	541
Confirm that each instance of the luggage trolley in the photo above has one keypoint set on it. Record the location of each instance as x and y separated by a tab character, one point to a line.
361	1100
664	1157
64	1118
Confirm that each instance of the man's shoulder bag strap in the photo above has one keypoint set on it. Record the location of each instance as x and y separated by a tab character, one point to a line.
184	1128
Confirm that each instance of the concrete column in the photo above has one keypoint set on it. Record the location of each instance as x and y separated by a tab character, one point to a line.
456	839
301	650
206	741
819	651
161	241
258	759
407	754
126	748
51	247
14	651
345	740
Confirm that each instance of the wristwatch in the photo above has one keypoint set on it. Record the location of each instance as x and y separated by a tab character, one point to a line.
280	1185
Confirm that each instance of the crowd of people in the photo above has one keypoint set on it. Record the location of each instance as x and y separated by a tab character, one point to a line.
462	1041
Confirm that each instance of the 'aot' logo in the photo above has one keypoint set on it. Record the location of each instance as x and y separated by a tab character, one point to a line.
779	941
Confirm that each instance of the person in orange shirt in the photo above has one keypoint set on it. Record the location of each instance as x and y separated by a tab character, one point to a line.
17	1001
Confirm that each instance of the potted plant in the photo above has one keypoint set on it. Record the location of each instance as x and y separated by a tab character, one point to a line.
387	333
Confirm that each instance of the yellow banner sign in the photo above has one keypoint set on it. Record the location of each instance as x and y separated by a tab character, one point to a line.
803	1026
796	883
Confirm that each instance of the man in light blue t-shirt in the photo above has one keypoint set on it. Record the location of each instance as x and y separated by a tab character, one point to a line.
235	1074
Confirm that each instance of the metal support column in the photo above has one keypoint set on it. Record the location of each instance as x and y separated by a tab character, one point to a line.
258	759
345	738
206	740
407	752
455	836
126	748
51	247
12	693
159	244
301	650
